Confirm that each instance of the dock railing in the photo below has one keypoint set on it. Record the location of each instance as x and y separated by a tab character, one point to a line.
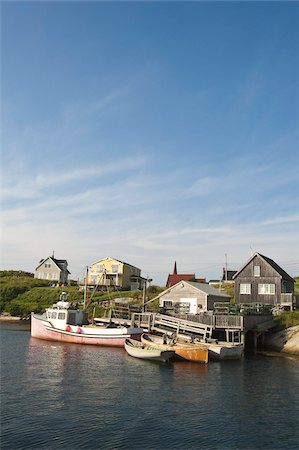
216	320
168	324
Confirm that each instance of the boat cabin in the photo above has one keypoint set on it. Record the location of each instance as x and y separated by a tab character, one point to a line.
60	315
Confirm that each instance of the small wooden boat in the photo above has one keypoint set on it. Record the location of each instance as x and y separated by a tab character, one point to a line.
138	350
187	351
223	350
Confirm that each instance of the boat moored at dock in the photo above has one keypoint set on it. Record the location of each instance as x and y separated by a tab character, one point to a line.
63	324
188	351
223	350
139	350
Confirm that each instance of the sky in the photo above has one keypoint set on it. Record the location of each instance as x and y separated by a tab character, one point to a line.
151	132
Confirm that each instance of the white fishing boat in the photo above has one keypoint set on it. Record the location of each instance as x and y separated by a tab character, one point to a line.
64	324
60	323
138	350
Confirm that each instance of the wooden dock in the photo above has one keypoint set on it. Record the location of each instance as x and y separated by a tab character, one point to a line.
232	327
162	324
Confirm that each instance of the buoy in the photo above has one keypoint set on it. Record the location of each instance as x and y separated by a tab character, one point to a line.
67	328
79	330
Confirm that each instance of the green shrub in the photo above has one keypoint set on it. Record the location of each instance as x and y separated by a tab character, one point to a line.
288	319
15	273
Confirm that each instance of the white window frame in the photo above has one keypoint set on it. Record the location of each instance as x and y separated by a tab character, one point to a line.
245	288
256	271
114	268
266	289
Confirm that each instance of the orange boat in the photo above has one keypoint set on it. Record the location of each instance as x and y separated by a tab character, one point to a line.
189	352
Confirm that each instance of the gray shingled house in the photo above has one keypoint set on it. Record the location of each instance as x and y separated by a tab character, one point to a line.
261	280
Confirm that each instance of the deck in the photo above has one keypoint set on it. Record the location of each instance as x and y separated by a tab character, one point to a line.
200	326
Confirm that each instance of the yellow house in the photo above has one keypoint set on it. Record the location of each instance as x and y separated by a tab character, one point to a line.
112	273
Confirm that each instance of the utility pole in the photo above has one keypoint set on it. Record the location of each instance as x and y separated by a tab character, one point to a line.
85	289
225	267
144	296
148	280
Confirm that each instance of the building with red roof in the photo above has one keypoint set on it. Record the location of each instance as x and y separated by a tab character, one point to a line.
175	277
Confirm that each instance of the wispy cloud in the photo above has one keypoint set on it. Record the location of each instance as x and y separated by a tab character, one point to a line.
30	188
72	113
133	156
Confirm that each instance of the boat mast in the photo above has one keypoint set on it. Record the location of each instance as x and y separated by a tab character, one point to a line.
85	289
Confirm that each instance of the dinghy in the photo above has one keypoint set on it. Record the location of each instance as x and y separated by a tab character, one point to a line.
138	350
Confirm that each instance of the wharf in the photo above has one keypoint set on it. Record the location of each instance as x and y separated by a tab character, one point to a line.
161	323
203	326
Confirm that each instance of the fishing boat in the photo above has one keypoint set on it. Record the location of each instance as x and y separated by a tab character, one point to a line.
63	324
183	350
138	350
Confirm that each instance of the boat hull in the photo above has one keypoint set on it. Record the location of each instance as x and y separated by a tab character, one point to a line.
141	351
112	337
189	352
225	350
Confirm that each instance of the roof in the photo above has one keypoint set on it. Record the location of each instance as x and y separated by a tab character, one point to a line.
272	263
229	275
114	259
200	280
58	262
208	289
175	278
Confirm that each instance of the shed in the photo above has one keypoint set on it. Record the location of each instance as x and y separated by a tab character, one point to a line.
191	297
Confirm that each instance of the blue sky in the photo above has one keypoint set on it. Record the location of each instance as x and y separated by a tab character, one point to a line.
151	132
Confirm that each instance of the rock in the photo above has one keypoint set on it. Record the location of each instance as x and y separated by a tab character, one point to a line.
286	341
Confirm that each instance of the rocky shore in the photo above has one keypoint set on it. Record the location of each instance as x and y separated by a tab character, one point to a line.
286	341
8	318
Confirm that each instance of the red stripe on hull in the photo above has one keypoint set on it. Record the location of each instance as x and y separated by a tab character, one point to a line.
39	331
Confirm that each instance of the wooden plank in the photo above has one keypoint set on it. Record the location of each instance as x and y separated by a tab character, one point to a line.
168	323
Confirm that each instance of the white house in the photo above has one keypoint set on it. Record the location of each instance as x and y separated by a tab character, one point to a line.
52	269
191	297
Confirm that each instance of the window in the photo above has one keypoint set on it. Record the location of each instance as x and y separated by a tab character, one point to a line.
54	315
61	315
257	271
266	289
167	303
114	268
100	268
245	288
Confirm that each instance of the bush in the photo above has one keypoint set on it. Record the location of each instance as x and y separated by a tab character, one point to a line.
15	273
288	319
155	290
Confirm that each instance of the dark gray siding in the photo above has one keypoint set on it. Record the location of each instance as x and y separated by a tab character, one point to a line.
268	275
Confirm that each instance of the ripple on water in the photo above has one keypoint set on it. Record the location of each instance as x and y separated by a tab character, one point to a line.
66	396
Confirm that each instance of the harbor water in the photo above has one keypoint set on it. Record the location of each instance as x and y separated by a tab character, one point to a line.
67	396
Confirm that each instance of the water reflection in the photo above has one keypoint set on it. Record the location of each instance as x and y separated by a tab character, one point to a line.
101	398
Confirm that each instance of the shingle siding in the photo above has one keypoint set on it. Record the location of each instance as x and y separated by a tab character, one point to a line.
270	274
